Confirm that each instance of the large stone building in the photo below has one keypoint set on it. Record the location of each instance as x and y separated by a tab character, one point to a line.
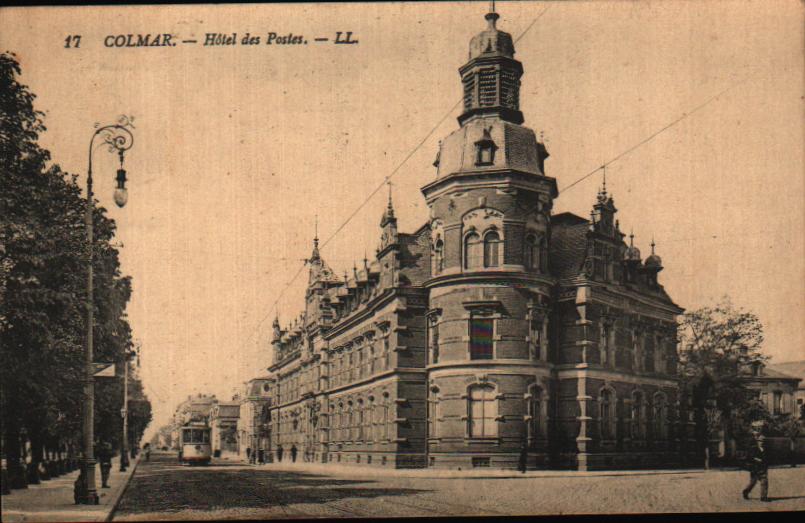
496	326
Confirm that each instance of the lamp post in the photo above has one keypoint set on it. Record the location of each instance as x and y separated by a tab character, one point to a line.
119	139
124	448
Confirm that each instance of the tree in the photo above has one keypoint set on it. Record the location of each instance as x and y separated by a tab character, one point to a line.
719	345
43	267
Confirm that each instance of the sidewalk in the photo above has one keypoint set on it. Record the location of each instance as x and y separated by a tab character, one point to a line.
358	470
52	500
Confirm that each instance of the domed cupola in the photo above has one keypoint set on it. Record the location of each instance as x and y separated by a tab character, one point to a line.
654	261
491	77
492	40
632	253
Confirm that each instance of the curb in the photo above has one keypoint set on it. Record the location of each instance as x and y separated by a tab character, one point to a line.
116	500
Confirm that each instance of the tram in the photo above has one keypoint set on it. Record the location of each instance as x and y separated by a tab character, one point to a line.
195	447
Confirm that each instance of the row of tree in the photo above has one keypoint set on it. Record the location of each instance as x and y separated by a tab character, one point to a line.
43	275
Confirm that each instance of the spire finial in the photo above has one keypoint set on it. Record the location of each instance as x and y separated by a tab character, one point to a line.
316	229
631	238
604	189
492	16
389	184
652	244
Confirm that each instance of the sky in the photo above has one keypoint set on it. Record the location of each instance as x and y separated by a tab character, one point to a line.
239	148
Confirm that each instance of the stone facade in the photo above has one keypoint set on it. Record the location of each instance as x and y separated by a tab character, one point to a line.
253	421
497	330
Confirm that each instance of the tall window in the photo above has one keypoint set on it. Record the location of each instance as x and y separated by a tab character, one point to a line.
637	350
370	410
531	258
482	412
535	413
386	415
433	412
361	421
433	331
372	359
660	416
607	415
350	422
777	407
492	249
438	257
648	354
361	368
481	336
659	355
638	416
386	353
535	336
603	348
473	251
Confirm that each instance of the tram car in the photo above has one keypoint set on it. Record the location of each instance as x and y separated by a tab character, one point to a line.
195	447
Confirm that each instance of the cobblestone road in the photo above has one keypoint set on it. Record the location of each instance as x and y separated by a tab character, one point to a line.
163	489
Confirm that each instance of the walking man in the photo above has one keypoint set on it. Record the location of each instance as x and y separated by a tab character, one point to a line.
105	460
758	468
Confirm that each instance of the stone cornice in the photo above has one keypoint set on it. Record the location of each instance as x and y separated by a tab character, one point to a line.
490	178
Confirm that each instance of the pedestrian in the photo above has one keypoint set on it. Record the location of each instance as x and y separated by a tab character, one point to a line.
521	466
147	449
758	467
249	454
105	460
279	453
293	453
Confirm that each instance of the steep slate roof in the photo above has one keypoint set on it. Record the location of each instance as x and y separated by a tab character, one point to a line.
568	244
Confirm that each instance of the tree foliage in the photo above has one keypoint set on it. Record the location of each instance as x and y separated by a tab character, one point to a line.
718	347
43	274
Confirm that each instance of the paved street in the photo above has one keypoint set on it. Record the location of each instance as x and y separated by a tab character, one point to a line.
163	489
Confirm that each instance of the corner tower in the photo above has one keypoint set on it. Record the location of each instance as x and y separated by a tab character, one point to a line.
490	287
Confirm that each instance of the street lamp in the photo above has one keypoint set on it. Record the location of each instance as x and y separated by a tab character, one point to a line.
130	354
119	139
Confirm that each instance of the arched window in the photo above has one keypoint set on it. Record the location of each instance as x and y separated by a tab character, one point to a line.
637	416
438	256
350	422
659	417
607	415
492	245
482	412
473	251
535	422
532	253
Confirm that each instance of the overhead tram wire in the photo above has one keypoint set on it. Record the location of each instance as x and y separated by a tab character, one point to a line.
386	179
654	135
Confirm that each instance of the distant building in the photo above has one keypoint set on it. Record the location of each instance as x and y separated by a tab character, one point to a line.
494	327
253	421
779	391
224	423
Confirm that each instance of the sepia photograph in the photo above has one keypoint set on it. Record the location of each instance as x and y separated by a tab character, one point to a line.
397	259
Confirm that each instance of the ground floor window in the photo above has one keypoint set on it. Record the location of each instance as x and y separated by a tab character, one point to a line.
482	412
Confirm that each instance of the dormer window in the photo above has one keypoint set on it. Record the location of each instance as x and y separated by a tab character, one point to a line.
485	150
